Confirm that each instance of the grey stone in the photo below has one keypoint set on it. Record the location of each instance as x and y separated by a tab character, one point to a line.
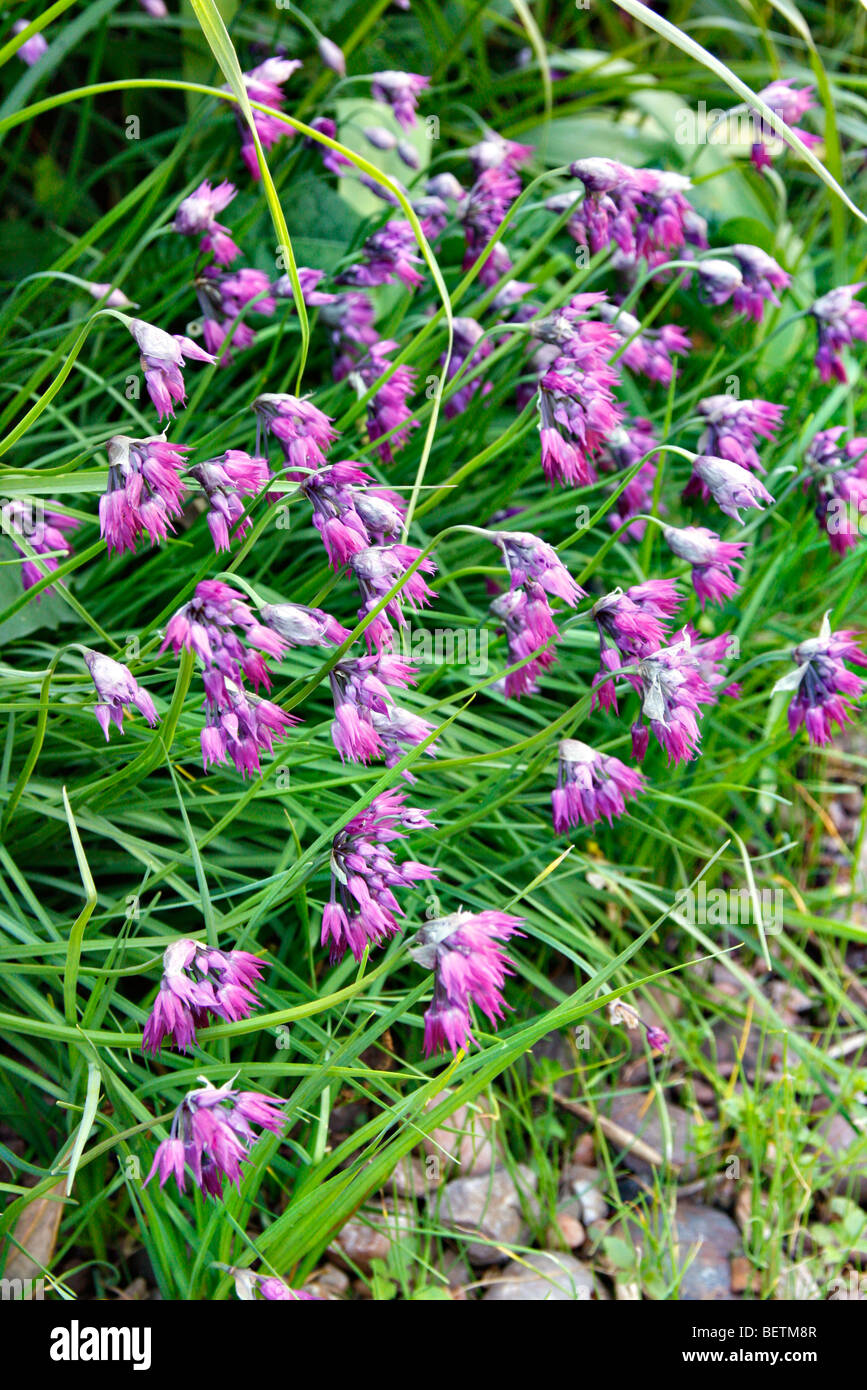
543	1276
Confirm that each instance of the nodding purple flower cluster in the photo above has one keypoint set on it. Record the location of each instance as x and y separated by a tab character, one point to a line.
117	689
239	725
400	91
44	533
535	571
145	491
468	353
197	216
265	85
841	319
470	967
591	786
712	560
212	1135
388	254
839	474
647	352
198	981
304	434
223	295
631	624
632	440
367	722
674	682
643	212
162	356
363	909
250	1287
732	428
225	481
790	104
730	485
577	408
822	687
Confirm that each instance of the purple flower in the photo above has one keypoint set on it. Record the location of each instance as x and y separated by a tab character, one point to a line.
400	91
643	211
494	151
265	85
674	683
197	216
468	352
43	533
367	722
730	485
33	48
577	408
733	428
590	786
529	558
840	319
839	473
821	684
117	689
790	104
224	481
304	433
388	411
308	280
390	252
145	490
197	981
482	213
718	280
377	569
212	1135
239	724
222	297
711	559
626	444
162	356
363	909
102	289
470	967
657	1038
761	278
529	627
349	514
631	624
648	351
250	1287
298	626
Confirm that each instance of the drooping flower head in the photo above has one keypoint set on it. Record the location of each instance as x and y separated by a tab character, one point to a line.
197	216
225	481
733	428
212	1135
467	352
377	569
388	254
577	408
145	491
197	981
299	626
590	786
400	91
162	356
368	723
304	433
789	103
712	560
647	351
117	688
762	277
730	485
223	296
43	532
265	85
840	319
363	909
822	686
530	631
839	473
631	624
251	1287
675	682
465	952
527	557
